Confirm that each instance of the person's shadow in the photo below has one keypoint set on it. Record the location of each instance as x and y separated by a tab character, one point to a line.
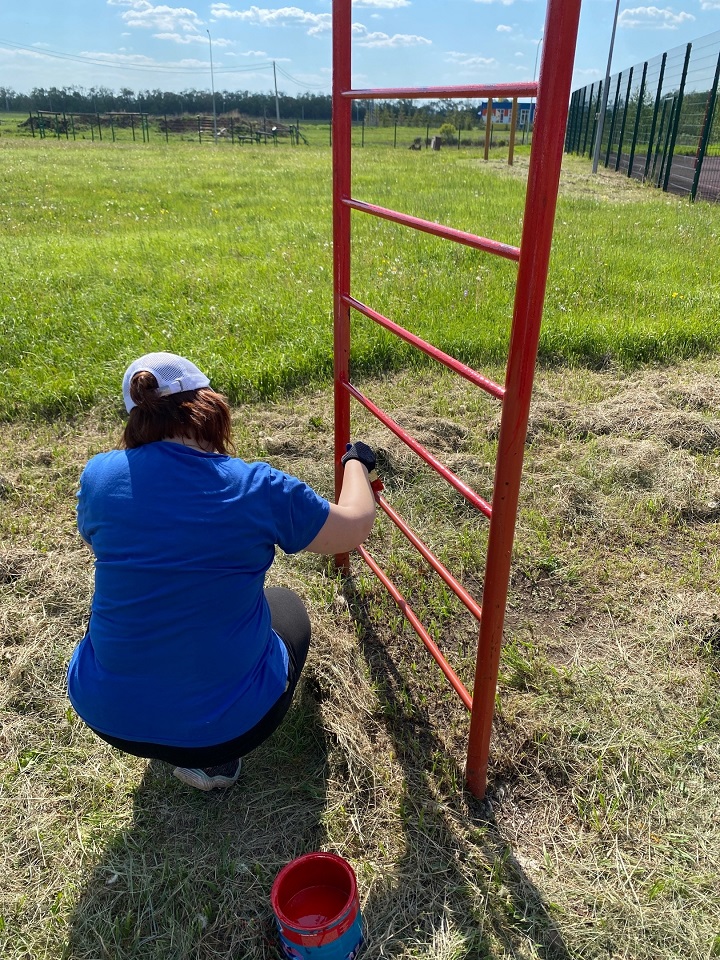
190	876
459	891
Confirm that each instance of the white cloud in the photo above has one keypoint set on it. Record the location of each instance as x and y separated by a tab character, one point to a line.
503	28
504	3
653	18
377	39
518	54
383	4
468	59
283	16
710	5
143	14
186	38
119	58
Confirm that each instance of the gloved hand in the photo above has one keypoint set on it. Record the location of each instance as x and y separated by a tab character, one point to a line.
362	452
366	455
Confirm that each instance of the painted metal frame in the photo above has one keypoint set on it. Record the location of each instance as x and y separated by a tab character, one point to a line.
532	256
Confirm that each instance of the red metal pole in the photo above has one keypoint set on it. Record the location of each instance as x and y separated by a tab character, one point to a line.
341	156
556	67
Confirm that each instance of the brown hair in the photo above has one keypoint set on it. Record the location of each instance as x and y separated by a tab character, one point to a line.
200	415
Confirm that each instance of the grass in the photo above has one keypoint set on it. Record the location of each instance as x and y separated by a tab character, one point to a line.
599	836
112	250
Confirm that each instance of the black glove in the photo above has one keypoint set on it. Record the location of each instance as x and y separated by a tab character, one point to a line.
362	452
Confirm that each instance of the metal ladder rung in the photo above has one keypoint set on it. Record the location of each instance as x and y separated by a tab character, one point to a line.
497	91
475	499
489	386
436	229
410	615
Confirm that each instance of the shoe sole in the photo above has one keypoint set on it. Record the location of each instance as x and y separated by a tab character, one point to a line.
201	781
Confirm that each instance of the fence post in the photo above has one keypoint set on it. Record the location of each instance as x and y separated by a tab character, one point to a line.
99	128
641	100
658	97
669	99
132	127
707	126
427	135
72	123
32	125
488	124
513	121
624	119
395	135
611	131
596	115
362	133
589	119
580	116
676	125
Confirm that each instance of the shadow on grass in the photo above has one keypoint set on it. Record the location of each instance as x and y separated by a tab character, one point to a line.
459	892
191	876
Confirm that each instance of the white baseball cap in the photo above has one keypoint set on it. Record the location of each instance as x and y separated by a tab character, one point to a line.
174	374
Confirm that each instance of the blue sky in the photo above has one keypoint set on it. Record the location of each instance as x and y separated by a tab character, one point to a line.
140	44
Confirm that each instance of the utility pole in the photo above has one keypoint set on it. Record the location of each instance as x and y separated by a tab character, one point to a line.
277	102
212	85
603	105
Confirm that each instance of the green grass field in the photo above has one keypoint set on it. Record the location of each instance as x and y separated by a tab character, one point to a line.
112	250
599	838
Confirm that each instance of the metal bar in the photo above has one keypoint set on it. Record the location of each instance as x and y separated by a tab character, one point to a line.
658	97
659	139
422	548
676	125
488	122
577	135
513	124
436	229
589	120
596	115
494	389
499	91
611	133
641	100
341	156
556	68
412	618
705	135
477	501
623	121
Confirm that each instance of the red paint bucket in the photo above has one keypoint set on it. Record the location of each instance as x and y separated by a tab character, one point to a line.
315	902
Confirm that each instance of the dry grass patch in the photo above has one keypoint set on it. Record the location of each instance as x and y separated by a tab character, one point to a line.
600	836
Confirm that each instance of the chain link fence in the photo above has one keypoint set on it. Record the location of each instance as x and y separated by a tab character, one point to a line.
662	121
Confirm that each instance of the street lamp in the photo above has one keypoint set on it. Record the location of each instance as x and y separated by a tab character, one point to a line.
212	85
603	106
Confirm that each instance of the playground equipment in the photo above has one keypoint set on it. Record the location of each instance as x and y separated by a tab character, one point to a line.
532	256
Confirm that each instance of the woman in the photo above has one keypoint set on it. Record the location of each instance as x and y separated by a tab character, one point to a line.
187	658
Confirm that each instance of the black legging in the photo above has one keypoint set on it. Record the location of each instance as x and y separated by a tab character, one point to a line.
292	624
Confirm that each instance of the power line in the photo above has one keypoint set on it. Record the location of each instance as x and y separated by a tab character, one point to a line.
152	67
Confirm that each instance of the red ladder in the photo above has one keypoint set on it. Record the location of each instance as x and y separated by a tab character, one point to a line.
532	256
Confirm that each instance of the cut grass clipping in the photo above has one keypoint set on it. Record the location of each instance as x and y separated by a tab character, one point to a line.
600	836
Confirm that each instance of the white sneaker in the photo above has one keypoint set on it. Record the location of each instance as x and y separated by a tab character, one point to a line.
210	778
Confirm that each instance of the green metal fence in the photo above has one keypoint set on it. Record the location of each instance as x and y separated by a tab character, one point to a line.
662	120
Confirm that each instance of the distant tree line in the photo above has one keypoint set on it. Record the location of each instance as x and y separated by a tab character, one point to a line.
307	106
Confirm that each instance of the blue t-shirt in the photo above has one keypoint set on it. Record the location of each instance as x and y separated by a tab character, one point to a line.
179	649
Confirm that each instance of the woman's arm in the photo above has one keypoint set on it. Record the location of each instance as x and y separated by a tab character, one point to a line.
350	519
